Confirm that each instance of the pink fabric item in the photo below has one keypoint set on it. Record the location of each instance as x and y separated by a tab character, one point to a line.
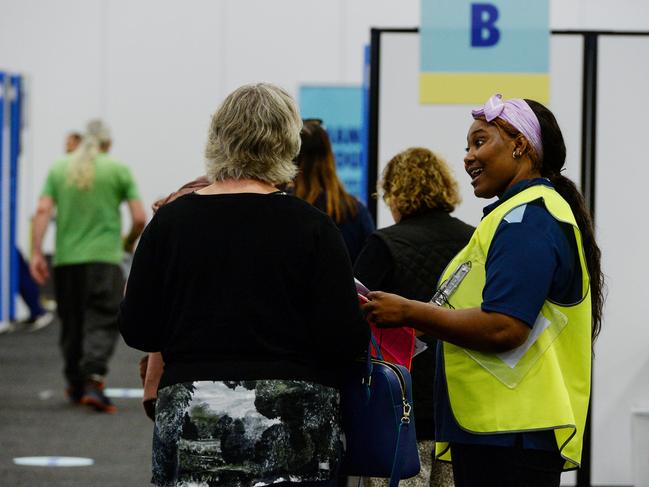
396	344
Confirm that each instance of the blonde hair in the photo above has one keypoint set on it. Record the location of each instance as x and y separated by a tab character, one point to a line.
96	139
417	180
255	134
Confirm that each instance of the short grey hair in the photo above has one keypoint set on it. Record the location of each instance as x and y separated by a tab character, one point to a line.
254	134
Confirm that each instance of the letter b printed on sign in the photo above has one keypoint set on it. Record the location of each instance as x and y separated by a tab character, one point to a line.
484	32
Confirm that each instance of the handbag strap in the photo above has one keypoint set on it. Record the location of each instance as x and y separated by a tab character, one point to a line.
395	475
367	380
376	346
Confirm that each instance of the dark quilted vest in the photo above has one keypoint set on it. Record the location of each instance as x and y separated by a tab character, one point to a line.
421	247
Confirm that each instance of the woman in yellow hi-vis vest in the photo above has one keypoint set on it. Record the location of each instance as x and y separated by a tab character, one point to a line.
516	310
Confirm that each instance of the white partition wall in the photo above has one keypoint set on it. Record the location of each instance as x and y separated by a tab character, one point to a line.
621	370
155	71
403	122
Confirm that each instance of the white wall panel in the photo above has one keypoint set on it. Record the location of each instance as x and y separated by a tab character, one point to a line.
404	123
286	42
566	67
607	15
622	353
163	74
156	70
57	46
564	14
374	13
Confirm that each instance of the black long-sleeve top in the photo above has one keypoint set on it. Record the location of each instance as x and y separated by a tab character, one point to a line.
243	286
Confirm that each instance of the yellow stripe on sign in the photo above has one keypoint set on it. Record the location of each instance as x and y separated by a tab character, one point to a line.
476	88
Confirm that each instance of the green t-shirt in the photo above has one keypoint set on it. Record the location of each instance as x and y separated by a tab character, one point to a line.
88	222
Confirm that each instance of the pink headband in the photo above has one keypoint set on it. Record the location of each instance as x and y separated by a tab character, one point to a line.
518	114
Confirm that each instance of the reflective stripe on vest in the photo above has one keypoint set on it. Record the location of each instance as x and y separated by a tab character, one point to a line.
545	383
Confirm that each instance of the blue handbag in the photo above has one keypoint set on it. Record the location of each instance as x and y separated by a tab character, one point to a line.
378	421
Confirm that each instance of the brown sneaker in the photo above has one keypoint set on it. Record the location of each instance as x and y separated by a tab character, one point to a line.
94	396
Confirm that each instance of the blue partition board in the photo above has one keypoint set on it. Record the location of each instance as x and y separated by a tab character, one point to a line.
3	210
340	109
365	124
15	111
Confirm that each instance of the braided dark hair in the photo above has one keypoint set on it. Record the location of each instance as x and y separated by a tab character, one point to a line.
554	158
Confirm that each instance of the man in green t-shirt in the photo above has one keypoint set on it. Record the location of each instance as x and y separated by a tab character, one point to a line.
87	188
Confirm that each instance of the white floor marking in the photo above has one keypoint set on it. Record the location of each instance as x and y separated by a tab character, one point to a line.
124	393
45	395
54	461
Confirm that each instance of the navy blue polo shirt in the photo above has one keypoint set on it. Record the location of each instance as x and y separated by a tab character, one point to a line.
532	257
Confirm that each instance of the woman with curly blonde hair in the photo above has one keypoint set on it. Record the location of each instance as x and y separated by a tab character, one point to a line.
417	180
407	258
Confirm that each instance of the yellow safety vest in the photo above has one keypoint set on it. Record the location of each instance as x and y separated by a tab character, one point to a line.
545	383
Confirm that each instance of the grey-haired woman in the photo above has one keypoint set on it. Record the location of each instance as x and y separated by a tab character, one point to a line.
249	295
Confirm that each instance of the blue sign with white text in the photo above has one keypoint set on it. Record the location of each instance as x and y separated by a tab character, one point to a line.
340	109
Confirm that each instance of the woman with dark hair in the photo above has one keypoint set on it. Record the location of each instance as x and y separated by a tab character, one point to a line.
317	182
407	258
247	292
517	310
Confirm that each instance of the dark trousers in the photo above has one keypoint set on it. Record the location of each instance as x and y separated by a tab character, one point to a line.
494	466
28	288
88	297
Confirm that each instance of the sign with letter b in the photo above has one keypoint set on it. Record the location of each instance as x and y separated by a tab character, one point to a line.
473	49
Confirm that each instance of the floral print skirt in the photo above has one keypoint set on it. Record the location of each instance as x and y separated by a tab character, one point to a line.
246	434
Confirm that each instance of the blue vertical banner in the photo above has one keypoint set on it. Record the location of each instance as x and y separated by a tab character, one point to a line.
473	49
365	124
15	127
4	200
10	126
340	109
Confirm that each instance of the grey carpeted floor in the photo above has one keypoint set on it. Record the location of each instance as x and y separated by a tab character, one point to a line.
37	420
